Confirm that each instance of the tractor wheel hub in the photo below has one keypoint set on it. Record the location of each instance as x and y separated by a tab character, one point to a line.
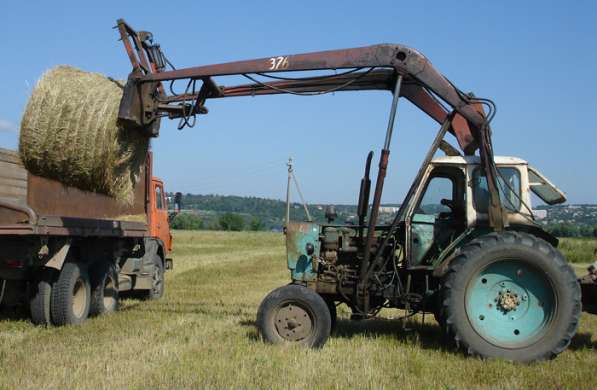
508	301
293	322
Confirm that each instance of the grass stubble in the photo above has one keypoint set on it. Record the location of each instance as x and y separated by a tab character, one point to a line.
202	335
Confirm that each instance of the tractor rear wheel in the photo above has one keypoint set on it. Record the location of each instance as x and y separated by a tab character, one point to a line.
511	296
294	314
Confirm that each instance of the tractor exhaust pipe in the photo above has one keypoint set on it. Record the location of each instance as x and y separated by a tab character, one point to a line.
363	205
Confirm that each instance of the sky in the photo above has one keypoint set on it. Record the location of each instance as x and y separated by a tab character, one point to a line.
535	59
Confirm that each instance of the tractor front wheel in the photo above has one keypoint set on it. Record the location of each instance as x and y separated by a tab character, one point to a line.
294	314
511	296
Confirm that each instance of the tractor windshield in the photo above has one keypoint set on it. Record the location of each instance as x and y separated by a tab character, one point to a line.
509	187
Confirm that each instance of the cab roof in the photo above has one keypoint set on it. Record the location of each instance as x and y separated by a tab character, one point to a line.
471	160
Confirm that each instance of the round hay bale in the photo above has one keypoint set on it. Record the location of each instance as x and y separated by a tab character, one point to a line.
69	133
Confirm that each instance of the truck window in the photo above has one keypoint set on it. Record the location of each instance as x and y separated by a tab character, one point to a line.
159	201
508	185
546	191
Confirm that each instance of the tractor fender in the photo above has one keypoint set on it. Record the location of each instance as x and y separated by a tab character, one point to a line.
537	232
441	269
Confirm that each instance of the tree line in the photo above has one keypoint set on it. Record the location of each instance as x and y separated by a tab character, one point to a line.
571	230
227	221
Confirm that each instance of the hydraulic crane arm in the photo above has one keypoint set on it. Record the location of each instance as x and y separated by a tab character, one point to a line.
383	79
377	68
399	69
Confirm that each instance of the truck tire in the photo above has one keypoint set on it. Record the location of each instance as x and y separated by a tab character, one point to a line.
71	295
104	288
294	314
512	296
157	281
40	295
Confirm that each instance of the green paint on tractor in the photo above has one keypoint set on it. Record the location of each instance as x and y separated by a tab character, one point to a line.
300	260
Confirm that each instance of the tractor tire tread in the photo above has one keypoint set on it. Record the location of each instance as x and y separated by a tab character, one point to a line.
470	251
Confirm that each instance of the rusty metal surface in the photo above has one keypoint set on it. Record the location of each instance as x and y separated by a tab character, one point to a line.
588	285
51	208
50	197
393	59
56	226
429	90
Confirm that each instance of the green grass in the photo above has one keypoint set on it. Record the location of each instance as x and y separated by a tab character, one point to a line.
202	335
579	250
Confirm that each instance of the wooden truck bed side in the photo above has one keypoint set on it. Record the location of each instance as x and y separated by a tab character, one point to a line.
30	204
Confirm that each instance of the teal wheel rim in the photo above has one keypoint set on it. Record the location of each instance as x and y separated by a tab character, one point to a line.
510	304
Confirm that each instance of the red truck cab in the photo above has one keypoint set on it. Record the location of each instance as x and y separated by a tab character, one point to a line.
158	215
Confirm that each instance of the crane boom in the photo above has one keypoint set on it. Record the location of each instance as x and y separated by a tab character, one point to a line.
402	70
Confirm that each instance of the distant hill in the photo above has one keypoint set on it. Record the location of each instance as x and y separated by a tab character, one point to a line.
270	212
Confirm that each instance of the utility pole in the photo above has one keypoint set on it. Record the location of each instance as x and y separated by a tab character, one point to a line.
298	189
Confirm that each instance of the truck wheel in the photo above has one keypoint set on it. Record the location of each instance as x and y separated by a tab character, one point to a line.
71	295
296	314
511	296
104	288
40	295
157	281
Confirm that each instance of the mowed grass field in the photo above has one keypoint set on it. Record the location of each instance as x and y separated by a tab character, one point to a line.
202	335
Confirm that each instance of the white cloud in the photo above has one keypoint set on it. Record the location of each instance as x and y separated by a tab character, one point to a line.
7	126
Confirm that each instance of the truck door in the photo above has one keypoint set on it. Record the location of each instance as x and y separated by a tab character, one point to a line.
159	214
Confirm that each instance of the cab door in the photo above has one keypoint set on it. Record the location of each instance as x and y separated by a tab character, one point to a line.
439	215
159	214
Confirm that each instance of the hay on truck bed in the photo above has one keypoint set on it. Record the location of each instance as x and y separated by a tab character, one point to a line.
69	133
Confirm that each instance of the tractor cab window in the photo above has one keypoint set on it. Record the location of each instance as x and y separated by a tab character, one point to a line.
439	193
159	200
508	186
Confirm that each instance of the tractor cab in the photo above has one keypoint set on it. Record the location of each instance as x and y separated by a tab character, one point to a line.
453	199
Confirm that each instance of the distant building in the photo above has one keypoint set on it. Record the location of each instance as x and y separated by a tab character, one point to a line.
540	214
388	209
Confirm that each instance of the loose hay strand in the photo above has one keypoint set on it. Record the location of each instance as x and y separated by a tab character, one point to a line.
69	132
